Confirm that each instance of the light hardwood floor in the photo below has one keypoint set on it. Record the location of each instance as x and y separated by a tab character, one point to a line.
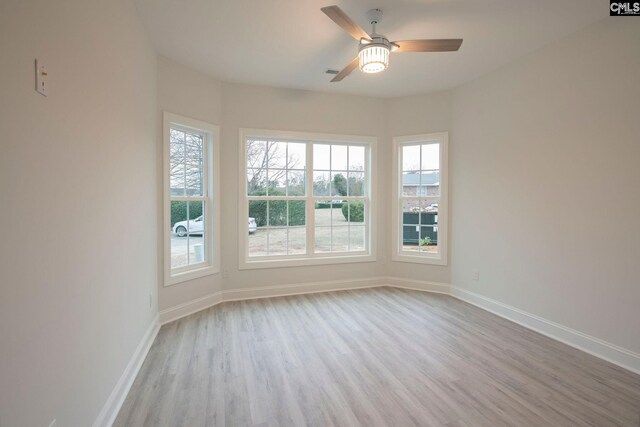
371	357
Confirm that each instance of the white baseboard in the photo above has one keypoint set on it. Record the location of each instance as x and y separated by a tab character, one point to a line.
300	288
587	343
190	307
111	408
418	285
174	313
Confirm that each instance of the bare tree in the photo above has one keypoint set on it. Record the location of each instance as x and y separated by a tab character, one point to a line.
259	155
186	155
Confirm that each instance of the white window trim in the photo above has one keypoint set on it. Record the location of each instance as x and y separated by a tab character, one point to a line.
245	263
212	218
443	206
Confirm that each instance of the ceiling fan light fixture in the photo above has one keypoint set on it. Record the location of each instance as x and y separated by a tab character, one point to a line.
373	57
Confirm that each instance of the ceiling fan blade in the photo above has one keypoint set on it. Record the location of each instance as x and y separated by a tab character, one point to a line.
346	71
433	45
339	17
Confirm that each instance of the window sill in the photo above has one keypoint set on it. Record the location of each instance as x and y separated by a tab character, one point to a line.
305	262
420	259
185	276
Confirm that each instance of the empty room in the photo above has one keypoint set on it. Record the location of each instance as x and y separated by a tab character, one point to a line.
310	213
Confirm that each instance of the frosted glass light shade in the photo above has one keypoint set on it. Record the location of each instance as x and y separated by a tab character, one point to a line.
373	58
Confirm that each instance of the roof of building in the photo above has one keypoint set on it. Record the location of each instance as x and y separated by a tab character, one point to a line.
428	178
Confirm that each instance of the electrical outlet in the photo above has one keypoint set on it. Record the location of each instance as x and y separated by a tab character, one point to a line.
476	275
225	273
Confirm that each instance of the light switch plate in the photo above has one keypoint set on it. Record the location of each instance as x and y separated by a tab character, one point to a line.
42	81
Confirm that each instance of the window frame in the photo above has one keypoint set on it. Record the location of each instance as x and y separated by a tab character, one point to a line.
211	198
309	258
398	254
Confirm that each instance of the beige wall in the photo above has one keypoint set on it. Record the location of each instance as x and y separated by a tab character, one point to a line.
413	115
546	183
78	206
189	93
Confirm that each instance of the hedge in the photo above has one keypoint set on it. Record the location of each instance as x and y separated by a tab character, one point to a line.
357	211
179	211
277	212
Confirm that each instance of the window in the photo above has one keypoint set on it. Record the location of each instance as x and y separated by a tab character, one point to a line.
420	199
306	197
191	198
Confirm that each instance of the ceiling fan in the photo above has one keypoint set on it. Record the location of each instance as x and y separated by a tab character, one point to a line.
374	48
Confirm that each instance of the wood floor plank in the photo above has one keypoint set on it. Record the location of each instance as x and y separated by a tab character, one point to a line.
370	357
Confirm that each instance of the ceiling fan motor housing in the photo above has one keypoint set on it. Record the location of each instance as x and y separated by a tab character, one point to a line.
375	41
374	16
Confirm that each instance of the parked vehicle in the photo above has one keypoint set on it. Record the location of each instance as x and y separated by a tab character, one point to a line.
196	226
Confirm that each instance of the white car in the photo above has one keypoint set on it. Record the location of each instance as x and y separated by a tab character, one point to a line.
196	226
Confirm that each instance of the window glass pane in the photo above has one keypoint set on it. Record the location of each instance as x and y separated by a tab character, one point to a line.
322	239
179	234
197	230
194	164
321	157
354	212
410	183
177	162
258	211
277	241
410	208
356	158
297	240
297	156
295	183
429	184
339	239
356	238
258	238
277	212
339	157
429	212
429	239
356	184
323	210
297	213
430	156
257	154
277	179
256	182
410	157
410	238
258	242
339	184
277	154
321	183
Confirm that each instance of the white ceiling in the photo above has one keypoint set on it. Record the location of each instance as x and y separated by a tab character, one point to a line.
290	43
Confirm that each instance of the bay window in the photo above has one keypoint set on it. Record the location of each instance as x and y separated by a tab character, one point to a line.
306	198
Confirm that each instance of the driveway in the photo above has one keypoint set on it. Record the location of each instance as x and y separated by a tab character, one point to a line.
179	249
